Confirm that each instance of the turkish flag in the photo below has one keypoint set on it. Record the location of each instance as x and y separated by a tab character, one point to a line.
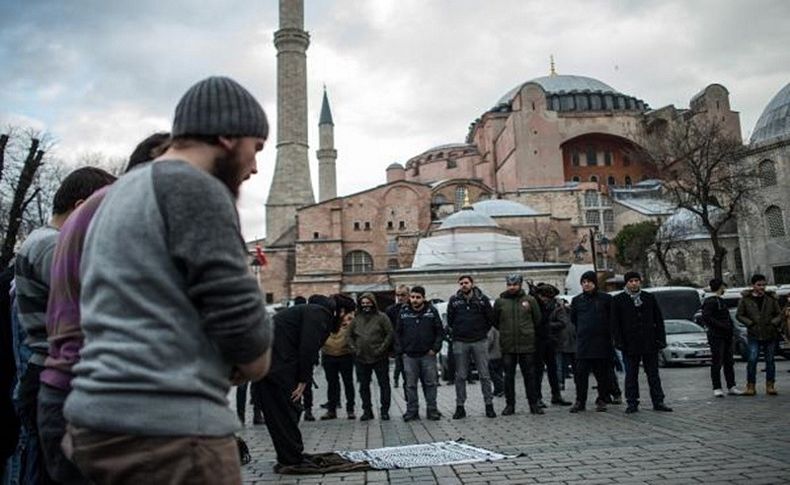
259	255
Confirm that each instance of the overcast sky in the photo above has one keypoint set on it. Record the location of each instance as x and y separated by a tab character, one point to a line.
402	75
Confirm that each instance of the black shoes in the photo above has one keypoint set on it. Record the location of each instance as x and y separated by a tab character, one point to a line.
385	416
490	411
558	400
508	411
308	415
617	399
411	417
434	415
662	407
329	415
542	404
499	393
600	405
536	409
631	409
366	416
460	412
577	407
257	417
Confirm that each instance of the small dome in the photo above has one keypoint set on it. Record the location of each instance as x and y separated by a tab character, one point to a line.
502	207
395	166
686	225
774	123
562	84
468	218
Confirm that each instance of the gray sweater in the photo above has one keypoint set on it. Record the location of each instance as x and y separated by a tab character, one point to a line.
168	307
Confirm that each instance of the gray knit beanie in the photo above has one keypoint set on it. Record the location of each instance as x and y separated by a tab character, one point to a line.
219	106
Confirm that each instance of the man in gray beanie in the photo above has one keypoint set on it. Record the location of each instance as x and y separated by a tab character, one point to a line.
174	319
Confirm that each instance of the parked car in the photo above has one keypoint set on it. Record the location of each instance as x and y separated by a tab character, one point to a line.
687	343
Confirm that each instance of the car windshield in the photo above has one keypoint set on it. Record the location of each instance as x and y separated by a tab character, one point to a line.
678	304
680	326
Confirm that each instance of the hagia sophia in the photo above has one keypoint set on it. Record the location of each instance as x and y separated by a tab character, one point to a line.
544	179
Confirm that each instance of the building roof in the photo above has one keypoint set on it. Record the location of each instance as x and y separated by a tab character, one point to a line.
502	207
395	165
562	83
326	113
774	123
648	206
468	217
685	225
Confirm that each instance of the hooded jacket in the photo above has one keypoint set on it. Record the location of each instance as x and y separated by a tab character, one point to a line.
469	319
516	315
762	322
370	336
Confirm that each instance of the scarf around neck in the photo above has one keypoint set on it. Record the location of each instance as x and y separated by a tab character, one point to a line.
635	297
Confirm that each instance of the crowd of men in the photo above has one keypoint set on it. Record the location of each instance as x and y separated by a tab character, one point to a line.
133	313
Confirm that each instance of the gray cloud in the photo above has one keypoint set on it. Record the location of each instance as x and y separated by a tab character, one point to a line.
403	75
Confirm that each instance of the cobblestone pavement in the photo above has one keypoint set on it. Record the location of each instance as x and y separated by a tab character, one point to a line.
706	440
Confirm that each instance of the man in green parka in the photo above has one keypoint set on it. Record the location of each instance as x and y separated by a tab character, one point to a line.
515	315
370	339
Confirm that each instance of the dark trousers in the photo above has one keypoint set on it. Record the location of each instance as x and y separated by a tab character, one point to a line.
527	363
307	396
282	421
650	362
721	354
581	374
548	361
365	374
51	429
334	369
241	400
497	372
398	374
614	384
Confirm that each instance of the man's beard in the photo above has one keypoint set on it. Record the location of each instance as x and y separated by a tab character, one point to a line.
227	169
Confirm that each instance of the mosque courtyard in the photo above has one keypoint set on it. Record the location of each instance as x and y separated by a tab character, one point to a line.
706	439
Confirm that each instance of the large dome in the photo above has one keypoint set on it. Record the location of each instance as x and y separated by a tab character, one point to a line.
502	207
468	217
562	83
774	123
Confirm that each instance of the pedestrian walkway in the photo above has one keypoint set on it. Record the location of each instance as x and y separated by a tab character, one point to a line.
706	439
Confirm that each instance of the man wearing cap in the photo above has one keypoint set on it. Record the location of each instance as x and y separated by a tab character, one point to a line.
590	315
175	318
469	317
717	322
515	315
638	328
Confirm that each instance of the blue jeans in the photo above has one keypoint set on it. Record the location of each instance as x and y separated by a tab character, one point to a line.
768	347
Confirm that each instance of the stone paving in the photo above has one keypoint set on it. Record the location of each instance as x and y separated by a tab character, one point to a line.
706	440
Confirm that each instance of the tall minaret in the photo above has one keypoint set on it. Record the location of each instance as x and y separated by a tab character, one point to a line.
291	186
327	179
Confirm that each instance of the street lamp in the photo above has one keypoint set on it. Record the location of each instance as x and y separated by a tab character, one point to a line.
604	242
578	253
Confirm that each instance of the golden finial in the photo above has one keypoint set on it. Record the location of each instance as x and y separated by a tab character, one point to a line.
466	198
552	72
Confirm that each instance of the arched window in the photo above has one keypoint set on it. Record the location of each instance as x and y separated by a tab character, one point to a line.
593	178
705	261
358	262
680	261
627	181
611	181
774	221
460	196
575	178
767	171
392	263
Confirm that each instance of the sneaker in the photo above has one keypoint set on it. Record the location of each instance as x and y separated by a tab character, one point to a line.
460	412
508	411
366	416
351	415
329	415
577	407
536	409
600	406
617	399
411	417
718	393
734	391
434	415
662	407
490	411
631	409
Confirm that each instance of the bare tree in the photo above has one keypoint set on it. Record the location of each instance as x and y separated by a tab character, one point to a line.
540	242
699	161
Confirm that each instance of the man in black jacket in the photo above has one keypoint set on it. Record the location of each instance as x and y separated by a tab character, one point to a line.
418	338
469	318
590	315
299	332
638	328
716	319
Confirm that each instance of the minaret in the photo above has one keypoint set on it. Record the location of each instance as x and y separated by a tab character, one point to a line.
291	186
327	178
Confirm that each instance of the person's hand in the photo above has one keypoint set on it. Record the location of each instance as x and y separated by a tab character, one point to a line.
297	394
431	353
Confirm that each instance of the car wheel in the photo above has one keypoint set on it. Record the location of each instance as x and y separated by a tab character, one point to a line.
662	361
